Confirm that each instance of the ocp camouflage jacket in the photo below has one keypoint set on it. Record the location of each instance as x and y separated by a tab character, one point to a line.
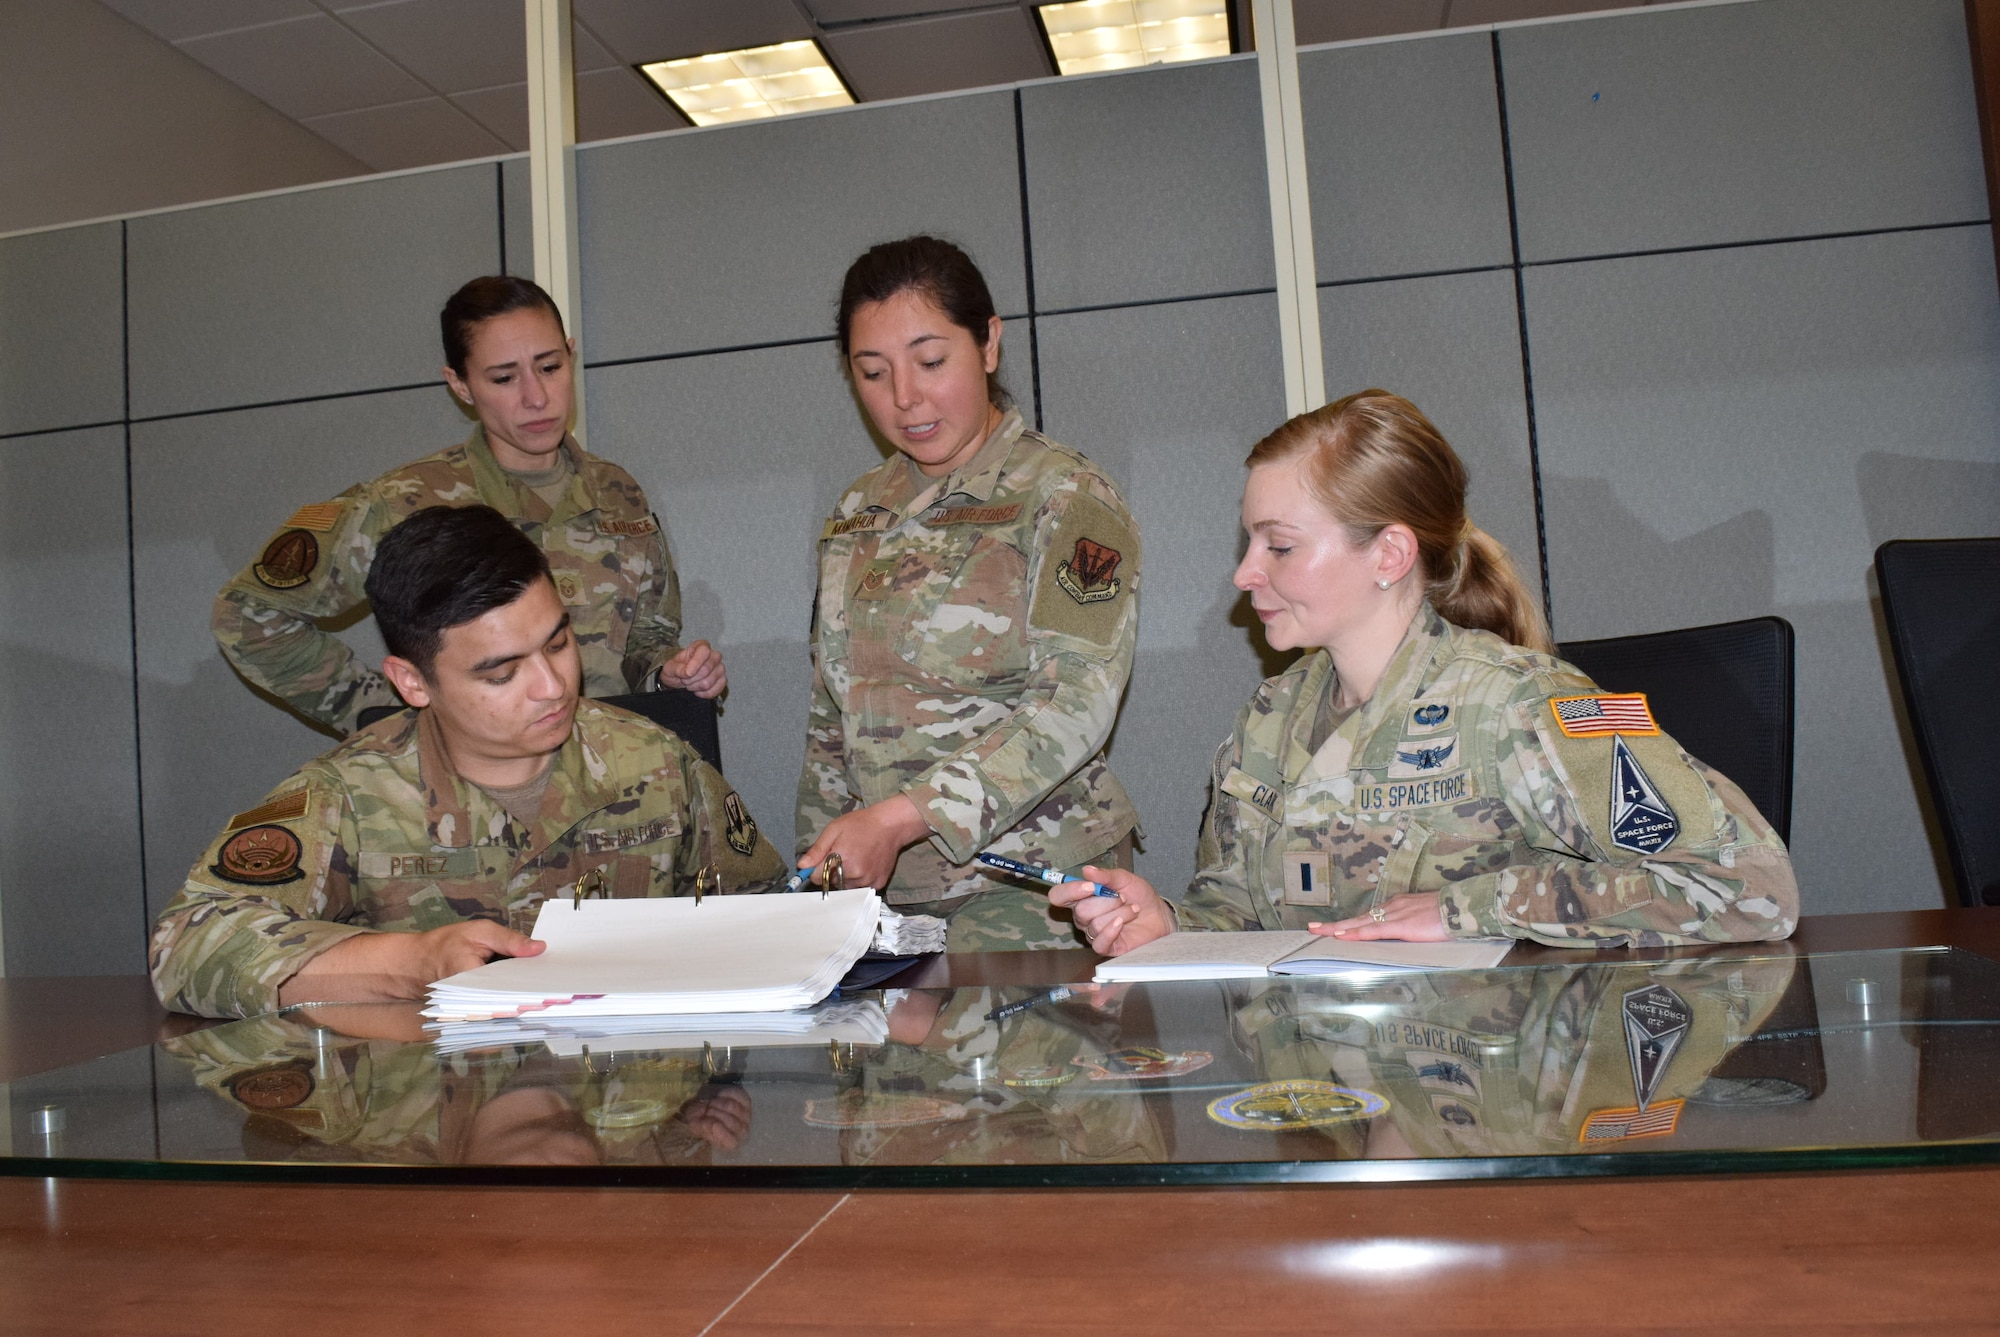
1459	777
606	551
382	833
972	639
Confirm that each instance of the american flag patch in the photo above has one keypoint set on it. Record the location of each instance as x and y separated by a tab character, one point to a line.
1620	1124
321	516
1595	716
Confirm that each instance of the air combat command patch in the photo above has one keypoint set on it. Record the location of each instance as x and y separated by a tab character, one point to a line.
1087	574
1281	1106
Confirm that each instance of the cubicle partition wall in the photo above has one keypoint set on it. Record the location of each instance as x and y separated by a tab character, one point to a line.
1704	294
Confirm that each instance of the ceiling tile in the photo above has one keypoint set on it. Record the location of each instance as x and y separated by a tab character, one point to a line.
411	134
856	11
614	103
305	67
502	110
452	45
935	55
178	19
1467	12
1344	20
642	30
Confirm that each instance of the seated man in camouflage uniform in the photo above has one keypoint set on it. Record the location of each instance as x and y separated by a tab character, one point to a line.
399	857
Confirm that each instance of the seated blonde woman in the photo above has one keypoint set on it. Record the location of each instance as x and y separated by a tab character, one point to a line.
1428	769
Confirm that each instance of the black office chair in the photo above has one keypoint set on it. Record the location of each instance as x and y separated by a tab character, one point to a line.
1724	692
1941	598
686	714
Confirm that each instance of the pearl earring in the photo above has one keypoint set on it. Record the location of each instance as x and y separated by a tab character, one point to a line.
1381	584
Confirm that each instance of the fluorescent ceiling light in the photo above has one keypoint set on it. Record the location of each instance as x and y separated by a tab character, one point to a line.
746	85
1091	35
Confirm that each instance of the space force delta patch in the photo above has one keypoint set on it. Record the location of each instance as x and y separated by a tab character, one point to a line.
1641	821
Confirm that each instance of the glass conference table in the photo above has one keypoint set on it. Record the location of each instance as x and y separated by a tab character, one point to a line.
1743	1059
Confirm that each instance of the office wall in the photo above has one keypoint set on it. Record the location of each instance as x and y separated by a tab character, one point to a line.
1704	338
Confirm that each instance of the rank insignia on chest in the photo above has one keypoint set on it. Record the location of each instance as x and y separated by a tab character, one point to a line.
289	560
1656	1021
1641	821
1307	879
1087	575
569	588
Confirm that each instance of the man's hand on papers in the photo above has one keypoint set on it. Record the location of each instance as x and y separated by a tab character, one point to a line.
372	966
1133	919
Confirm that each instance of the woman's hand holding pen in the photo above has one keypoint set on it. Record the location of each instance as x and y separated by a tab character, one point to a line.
868	840
1115	926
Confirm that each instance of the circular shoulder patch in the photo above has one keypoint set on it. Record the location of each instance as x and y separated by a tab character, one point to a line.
261	856
280	1088
289	560
1281	1106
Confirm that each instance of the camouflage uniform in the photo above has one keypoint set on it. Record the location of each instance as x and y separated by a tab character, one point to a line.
1523	1062
380	833
972	640
605	548
1010	1093
312	1094
1458	778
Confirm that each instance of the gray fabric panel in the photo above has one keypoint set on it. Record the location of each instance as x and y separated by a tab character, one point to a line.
69	838
739	235
519	221
1403	158
1452	346
1741	122
1147	184
62	354
743	455
1729	434
209	491
315	293
1144	392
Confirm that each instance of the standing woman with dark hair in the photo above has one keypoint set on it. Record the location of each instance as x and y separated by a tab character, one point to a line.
1428	769
978	607
508	360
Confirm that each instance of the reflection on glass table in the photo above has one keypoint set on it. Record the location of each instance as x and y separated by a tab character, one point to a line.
1724	1060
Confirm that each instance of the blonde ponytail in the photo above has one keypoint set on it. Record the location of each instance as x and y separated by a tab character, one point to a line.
1375	460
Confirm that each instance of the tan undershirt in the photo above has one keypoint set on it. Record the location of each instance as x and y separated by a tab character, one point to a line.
549	484
524	802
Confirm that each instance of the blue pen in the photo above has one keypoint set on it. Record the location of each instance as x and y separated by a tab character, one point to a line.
1048	875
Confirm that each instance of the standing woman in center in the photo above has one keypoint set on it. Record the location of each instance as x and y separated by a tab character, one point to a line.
978	606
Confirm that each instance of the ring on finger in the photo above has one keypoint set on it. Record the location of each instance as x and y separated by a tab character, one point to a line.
1379	915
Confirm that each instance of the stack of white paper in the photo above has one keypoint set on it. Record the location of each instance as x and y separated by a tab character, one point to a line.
859	1022
670	956
1249	955
908	935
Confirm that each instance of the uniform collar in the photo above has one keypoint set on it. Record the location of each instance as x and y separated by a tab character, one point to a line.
459	813
1355	742
976	478
515	498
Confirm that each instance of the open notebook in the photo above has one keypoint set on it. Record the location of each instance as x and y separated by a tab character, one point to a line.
1248	955
670	955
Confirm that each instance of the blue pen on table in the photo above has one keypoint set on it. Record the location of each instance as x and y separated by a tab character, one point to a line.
1048	875
1055	995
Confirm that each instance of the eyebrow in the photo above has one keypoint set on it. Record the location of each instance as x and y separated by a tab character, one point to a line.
488	665
920	339
539	357
1259	526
